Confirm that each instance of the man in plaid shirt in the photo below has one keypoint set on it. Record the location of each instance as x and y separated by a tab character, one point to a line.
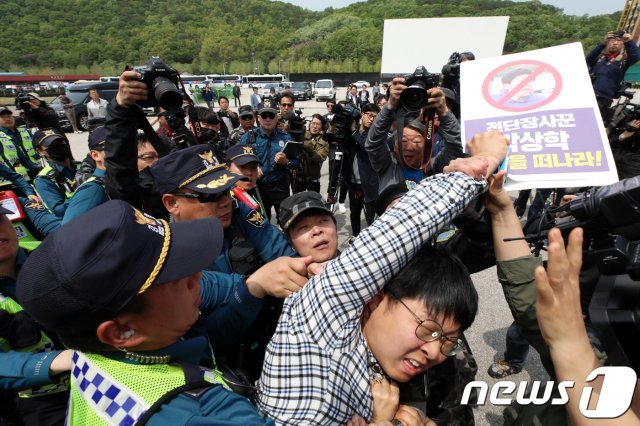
342	329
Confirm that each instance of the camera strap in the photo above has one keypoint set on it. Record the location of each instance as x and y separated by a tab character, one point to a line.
429	132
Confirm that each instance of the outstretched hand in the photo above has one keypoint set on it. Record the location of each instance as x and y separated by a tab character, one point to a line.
558	307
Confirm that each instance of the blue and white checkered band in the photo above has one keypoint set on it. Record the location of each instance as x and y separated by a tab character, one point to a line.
111	400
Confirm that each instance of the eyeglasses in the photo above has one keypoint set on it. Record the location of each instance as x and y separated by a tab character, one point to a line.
371	115
203	198
268	115
246	117
430	331
286	105
148	157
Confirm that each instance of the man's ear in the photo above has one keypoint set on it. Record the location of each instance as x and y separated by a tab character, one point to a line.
171	203
118	335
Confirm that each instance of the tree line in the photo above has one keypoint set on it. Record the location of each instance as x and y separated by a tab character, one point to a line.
248	36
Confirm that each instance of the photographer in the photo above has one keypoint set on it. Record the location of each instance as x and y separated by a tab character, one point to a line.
608	62
316	149
123	180
37	113
625	147
451	78
415	162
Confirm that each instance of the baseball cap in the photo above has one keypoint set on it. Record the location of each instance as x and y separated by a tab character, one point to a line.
45	137
5	110
241	155
90	268
195	168
245	110
293	206
35	96
97	138
267	108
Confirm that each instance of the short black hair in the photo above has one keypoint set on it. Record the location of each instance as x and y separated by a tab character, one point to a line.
319	117
370	108
439	280
288	94
88	341
222	97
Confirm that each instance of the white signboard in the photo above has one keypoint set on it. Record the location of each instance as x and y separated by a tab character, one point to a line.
409	43
544	103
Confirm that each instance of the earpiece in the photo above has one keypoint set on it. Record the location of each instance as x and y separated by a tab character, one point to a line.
127	334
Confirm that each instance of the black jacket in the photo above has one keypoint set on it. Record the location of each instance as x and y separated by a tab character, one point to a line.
123	182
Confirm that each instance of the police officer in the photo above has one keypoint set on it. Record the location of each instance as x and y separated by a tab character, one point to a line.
124	291
247	122
55	182
193	187
30	362
242	160
92	192
16	150
268	144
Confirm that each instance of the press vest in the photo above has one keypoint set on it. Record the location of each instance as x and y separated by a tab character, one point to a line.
10	153
108	392
44	345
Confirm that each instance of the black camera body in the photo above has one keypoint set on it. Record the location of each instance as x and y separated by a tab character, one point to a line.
162	83
22	100
295	125
617	34
415	96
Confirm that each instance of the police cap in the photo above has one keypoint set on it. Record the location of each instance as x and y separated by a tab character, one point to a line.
195	168
90	268
241	155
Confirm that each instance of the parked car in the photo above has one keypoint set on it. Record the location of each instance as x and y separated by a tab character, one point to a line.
265	91
325	90
79	95
301	90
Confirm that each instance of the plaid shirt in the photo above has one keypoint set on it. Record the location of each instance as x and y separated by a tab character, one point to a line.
318	365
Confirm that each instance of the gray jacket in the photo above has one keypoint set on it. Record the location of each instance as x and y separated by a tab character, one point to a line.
384	162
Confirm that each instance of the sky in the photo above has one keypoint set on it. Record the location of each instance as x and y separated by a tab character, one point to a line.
571	7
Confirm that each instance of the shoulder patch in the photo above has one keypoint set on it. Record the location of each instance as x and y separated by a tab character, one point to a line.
34	205
255	218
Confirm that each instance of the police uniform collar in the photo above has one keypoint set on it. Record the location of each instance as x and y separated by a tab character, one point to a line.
275	132
187	350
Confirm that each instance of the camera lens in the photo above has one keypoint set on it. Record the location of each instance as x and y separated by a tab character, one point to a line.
414	97
167	94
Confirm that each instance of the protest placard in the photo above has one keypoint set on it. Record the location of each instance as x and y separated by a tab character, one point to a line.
543	101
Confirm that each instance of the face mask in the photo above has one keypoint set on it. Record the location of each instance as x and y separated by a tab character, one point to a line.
59	152
209	134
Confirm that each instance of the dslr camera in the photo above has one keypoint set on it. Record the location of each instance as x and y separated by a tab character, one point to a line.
415	96
162	83
21	101
617	34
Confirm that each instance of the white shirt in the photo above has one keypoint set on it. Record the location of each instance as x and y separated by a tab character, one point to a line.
97	109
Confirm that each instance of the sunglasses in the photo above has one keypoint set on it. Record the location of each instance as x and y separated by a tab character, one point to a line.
286	105
246	117
203	198
268	115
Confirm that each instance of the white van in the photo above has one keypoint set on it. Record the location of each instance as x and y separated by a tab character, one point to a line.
324	90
